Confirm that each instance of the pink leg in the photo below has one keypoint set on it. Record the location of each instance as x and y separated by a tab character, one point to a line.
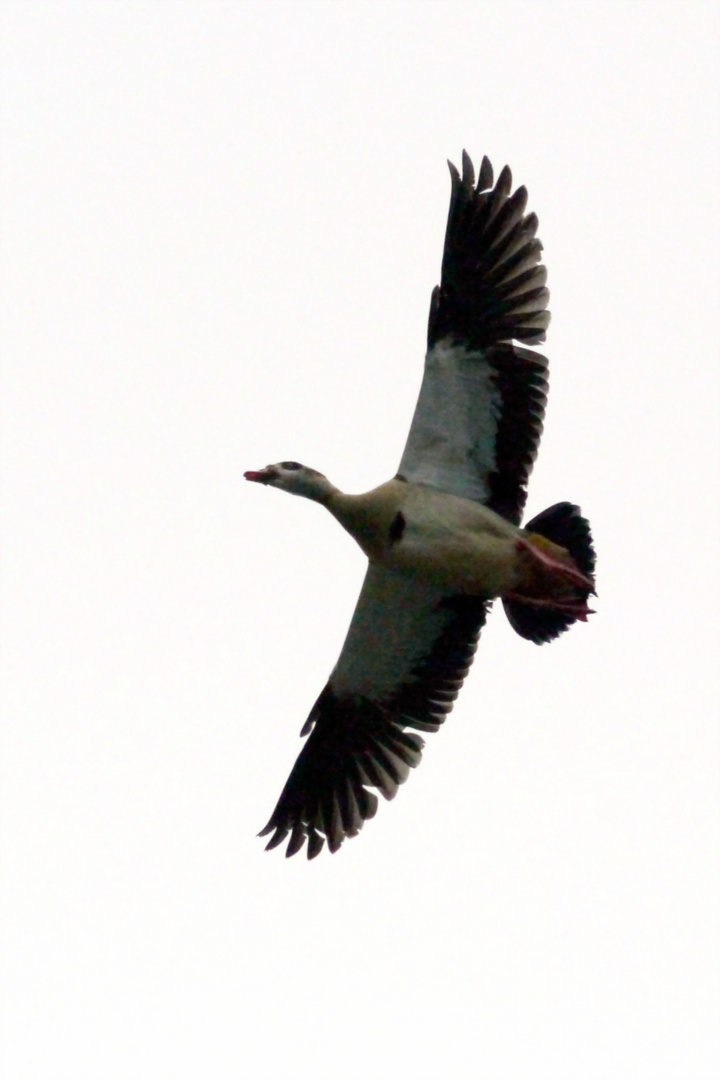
555	566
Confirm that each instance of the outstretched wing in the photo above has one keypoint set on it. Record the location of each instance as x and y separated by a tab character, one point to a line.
479	415
406	654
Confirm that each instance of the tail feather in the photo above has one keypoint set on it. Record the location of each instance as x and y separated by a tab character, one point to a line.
564	525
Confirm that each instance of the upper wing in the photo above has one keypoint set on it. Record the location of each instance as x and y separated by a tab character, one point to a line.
406	654
478	419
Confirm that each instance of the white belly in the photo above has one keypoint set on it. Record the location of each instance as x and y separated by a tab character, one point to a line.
454	543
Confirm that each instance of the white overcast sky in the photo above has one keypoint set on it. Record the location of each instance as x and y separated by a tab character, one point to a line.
222	224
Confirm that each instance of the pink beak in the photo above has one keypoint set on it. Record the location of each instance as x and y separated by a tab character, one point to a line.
264	476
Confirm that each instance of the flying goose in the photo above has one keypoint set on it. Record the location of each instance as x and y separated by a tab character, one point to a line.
443	538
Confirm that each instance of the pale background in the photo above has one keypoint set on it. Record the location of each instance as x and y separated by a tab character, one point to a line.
222	224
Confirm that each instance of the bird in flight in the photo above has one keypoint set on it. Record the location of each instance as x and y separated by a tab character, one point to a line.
443	537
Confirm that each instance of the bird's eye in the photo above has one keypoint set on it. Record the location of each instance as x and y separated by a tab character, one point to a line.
291	465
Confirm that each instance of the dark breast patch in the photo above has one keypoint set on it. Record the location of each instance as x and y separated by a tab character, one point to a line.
397	527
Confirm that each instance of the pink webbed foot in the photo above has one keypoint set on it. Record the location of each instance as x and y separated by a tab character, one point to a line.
578	609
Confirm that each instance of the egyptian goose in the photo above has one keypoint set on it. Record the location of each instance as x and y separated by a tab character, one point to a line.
443	538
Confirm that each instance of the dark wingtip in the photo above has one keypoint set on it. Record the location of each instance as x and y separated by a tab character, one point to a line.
504	182
297	838
468	172
316	843
485	179
520	199
454	174
275	840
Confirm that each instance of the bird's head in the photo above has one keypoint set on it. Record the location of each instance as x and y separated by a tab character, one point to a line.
296	478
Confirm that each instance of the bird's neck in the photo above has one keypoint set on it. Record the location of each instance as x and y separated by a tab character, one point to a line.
366	517
317	489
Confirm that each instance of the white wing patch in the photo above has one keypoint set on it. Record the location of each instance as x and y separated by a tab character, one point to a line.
394	627
451	443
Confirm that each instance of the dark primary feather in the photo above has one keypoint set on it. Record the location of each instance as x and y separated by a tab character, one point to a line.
492	291
491	288
356	743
